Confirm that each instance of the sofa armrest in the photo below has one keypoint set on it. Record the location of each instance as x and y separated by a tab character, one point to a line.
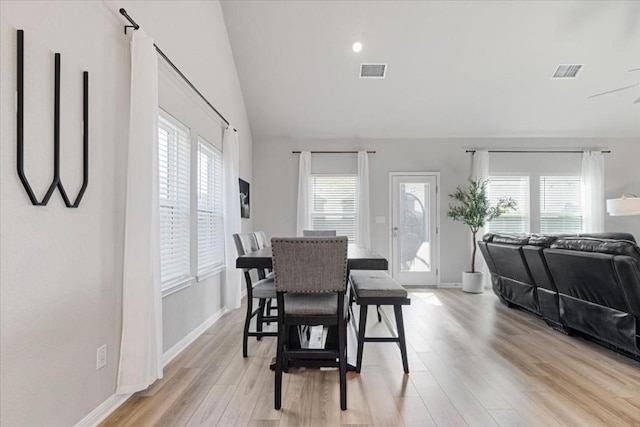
628	271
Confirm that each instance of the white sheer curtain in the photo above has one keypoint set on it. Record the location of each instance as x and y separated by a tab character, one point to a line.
231	202
304	184
480	165
363	231
480	171
593	191
141	345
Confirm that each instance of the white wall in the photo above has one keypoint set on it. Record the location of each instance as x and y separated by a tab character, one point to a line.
61	269
276	177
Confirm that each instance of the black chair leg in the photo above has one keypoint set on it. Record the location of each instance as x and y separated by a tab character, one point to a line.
350	299
278	380
261	303
342	361
285	361
362	326
379	314
268	311
397	309
247	321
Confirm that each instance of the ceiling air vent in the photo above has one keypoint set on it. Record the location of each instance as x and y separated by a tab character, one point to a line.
567	71
373	71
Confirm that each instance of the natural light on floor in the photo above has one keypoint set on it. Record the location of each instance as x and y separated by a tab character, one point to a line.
428	297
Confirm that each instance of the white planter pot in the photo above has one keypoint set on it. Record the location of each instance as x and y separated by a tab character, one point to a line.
472	282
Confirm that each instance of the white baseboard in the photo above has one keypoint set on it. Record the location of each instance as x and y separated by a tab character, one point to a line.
444	285
457	285
107	407
178	347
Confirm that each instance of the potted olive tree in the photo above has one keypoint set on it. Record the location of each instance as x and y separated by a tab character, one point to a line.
472	208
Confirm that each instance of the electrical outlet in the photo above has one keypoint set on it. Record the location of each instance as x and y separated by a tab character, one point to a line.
101	356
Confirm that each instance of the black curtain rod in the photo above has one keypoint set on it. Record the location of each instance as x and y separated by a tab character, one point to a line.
135	26
540	151
333	152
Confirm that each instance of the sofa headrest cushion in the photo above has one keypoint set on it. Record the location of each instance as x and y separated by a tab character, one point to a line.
545	240
610	235
488	237
603	246
511	239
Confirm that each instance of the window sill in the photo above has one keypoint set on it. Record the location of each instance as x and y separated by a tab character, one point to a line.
178	285
205	274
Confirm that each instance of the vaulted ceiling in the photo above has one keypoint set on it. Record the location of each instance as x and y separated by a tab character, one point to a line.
455	68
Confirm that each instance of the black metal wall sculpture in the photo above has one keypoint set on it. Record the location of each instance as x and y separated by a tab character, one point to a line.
56	182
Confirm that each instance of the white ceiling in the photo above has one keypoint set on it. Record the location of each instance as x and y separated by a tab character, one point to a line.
456	68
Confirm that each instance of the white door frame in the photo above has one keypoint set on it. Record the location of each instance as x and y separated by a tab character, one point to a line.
390	223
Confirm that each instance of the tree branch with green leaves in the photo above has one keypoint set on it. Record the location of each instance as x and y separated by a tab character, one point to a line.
472	207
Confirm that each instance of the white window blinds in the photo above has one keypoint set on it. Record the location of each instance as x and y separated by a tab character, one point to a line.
174	172
516	187
560	204
210	226
333	204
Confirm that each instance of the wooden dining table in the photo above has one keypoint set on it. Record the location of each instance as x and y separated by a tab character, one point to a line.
358	258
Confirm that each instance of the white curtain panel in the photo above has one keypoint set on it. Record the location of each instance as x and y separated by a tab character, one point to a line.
363	231
231	202
480	171
480	168
304	198
141	346
593	191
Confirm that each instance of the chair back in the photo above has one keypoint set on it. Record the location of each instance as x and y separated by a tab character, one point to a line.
318	233
310	264
245	243
261	238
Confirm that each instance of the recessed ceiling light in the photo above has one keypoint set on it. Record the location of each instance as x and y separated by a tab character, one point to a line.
357	47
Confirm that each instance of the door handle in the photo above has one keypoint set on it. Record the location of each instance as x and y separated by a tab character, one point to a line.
395	232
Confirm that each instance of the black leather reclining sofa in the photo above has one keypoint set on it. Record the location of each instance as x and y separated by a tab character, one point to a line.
588	283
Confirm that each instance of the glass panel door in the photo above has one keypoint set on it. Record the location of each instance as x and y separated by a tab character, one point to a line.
413	229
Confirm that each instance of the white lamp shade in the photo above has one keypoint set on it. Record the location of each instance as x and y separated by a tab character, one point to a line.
624	206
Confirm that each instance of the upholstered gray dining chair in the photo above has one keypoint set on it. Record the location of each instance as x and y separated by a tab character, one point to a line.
318	233
261	238
264	290
310	278
263	242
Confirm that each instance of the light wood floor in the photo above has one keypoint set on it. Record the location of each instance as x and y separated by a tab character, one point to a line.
473	362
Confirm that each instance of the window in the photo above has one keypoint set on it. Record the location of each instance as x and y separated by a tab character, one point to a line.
516	187
560	204
333	204
210	226
174	172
